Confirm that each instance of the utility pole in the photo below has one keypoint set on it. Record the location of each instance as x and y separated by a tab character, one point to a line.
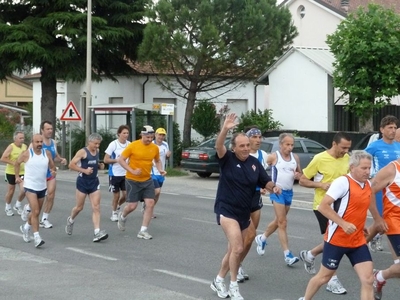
88	101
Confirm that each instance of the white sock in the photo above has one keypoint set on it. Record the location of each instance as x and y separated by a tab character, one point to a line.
379	277
18	203
27	226
143	228
45	216
97	230
71	220
8	206
286	252
310	256
36	234
219	278
28	208
263	237
234	283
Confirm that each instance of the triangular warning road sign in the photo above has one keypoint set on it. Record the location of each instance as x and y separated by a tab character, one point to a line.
71	113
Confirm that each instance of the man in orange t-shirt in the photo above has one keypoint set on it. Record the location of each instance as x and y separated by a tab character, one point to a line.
139	184
345	205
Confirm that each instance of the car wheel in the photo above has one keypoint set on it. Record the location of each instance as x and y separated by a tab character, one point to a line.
204	174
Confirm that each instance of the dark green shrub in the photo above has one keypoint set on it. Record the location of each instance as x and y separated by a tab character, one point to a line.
205	119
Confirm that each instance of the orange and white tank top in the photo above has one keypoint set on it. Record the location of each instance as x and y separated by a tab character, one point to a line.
352	199
391	202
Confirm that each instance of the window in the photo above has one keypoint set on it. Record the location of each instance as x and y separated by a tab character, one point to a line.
297	148
301	11
313	147
267	147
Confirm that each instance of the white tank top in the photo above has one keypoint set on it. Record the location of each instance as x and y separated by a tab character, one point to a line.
36	171
283	171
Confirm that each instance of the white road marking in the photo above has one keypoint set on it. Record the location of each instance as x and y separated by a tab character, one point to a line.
91	254
167	193
12	232
205	197
201	221
16	255
183	276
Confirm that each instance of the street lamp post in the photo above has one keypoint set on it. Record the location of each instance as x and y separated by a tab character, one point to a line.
88	101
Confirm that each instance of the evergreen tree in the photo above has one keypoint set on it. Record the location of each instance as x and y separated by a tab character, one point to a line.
52	36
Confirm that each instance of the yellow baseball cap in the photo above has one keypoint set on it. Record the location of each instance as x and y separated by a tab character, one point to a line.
161	131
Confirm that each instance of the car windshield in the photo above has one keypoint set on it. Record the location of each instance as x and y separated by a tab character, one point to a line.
211	143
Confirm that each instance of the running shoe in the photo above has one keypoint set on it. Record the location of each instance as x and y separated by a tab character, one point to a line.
25	213
309	265
144	235
25	234
260	245
243	273
9	212
121	223
379	246
372	245
234	292
114	217
70	226
378	285
335	287
290	260
18	208
38	241
240	278
220	288
45	224
100	236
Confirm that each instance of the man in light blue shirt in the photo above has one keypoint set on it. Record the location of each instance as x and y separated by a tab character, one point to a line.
383	151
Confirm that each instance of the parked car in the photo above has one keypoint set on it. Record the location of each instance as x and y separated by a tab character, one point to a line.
202	158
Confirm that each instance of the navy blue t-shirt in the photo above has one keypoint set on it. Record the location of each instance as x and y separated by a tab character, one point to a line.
237	185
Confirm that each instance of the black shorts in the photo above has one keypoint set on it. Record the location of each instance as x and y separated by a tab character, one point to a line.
10	179
40	194
256	202
117	183
243	223
322	221
394	239
87	186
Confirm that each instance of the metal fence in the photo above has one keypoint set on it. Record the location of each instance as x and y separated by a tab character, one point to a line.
347	121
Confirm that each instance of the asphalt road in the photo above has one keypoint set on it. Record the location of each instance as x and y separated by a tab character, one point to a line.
178	263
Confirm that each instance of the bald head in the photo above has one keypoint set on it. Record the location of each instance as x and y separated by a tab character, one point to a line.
37	142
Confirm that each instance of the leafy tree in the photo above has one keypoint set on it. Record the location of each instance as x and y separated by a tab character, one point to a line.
51	35
205	119
367	69
207	45
262	119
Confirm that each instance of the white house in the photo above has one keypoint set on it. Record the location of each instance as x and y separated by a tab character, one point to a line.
142	88
299	84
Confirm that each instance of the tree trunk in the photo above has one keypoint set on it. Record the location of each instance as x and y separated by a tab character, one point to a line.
49	98
366	125
187	124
